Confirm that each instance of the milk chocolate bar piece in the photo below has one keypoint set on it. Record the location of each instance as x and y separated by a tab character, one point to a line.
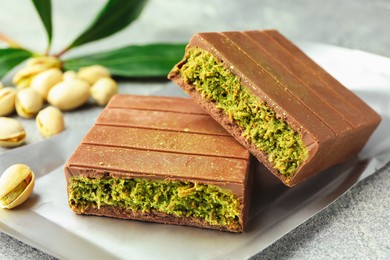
160	159
292	116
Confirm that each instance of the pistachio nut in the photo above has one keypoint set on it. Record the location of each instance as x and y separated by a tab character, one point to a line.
103	90
28	102
69	75
7	101
12	132
68	95
50	121
23	77
45	80
16	185
47	61
92	73
1	85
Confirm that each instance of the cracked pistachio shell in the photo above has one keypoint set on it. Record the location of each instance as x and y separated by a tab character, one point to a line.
12	132
28	102
45	80
7	100
103	90
92	73
16	185
68	95
50	121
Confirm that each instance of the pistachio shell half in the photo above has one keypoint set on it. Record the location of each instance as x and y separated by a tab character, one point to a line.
68	95
103	90
45	80
50	121
28	102
92	73
7	101
16	185
12	132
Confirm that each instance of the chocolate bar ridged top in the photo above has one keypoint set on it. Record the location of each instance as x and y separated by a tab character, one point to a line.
168	138
334	123
160	139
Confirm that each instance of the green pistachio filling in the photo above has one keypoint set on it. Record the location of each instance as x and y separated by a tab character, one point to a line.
258	122
210	203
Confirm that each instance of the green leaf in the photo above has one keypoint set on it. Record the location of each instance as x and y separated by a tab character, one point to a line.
11	57
113	17
43	8
153	60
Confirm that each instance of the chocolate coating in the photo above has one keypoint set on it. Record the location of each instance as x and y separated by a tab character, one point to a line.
334	123
161	138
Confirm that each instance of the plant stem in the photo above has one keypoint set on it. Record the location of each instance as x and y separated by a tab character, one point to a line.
47	50
10	42
61	53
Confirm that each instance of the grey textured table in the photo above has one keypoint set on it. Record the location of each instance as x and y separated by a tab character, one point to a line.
357	225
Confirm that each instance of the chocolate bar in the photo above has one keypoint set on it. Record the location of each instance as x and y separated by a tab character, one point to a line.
285	109
160	159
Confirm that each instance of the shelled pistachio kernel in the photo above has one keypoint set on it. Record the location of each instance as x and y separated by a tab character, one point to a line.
12	132
28	102
70	94
45	80
103	90
7	101
50	121
92	73
16	185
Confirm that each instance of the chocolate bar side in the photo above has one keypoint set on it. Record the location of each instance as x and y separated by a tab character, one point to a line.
252	75
163	218
342	129
121	162
273	93
308	125
117	149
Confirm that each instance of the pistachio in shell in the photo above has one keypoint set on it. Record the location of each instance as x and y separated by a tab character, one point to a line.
103	90
12	132
28	102
69	75
7	101
92	73
34	66
50	121
69	94
45	80
16	185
